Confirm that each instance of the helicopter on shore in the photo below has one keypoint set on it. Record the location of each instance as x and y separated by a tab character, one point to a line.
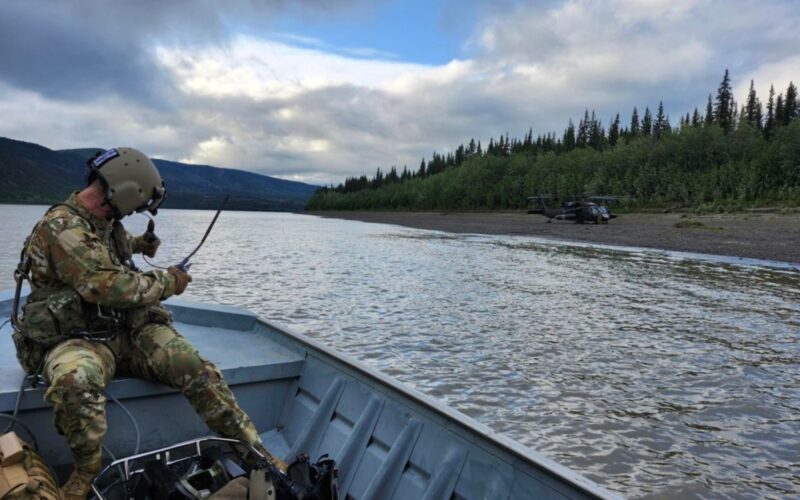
578	209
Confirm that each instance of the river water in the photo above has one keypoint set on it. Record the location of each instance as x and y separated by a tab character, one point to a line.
654	374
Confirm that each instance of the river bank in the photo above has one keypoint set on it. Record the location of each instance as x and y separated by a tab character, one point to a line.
769	236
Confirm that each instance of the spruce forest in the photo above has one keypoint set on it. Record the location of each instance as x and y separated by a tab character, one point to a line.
724	157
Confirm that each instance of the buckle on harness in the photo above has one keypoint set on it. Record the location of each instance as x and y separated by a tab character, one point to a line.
113	320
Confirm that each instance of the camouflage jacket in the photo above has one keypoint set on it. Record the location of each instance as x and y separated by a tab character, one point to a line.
77	263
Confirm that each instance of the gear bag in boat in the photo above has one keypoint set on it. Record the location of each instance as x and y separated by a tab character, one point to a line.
23	473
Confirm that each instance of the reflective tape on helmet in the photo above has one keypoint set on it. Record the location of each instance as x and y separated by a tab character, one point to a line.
100	160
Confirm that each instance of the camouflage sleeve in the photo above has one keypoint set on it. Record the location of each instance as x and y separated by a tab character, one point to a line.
83	262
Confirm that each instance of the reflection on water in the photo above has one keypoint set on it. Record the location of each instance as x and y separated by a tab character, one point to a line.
652	374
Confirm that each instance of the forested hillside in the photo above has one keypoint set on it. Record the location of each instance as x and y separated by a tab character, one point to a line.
30	173
727	155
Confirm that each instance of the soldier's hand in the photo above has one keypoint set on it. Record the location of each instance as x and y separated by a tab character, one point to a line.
150	245
150	241
182	279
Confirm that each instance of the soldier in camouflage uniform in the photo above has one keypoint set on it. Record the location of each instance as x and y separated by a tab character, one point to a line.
81	275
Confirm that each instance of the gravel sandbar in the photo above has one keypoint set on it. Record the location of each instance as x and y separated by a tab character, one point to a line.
768	236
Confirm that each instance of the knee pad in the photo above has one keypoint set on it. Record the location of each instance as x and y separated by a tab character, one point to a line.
74	365
70	388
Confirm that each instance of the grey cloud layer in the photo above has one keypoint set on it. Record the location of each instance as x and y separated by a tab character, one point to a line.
75	50
60	74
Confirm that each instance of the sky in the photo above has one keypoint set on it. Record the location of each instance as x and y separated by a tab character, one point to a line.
316	91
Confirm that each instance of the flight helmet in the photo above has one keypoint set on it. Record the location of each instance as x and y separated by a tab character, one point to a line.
131	180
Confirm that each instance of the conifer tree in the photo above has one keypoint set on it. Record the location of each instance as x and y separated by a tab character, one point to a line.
583	131
779	111
659	126
421	172
460	155
769	124
613	132
790	105
696	118
759	118
634	128
569	137
378	180
725	107
709	112
752	113
596	133
647	123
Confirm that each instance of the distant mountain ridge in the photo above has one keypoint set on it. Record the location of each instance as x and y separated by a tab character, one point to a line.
30	173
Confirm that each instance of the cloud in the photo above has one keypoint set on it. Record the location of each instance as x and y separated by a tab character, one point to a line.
77	50
614	55
104	121
778	73
261	69
591	45
299	108
315	43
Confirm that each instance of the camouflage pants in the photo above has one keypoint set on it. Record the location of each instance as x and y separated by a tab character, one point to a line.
79	371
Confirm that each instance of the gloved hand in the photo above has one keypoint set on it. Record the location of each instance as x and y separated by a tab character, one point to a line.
150	246
150	242
182	279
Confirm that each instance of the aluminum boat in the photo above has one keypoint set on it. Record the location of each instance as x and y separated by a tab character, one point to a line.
389	440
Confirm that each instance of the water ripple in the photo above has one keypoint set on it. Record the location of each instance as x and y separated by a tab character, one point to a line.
654	374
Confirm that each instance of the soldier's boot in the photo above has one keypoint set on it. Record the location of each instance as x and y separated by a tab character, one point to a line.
256	462
79	483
